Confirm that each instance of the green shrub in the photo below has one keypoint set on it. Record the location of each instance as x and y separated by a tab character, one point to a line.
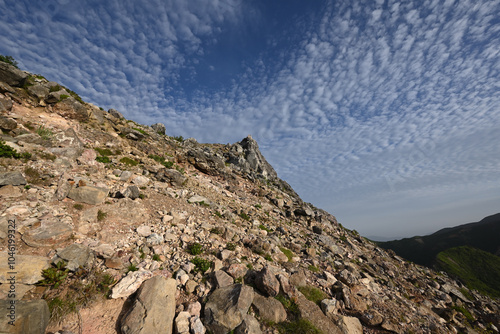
156	257
312	268
230	246
216	230
63	97
55	88
268	258
8	152
201	264
128	161
195	249
9	60
105	160
299	326
54	276
43	132
78	206
180	139
313	294
258	206
262	227
105	152
289	254
101	215
245	216
132	267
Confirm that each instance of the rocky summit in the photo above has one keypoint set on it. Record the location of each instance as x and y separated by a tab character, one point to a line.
115	227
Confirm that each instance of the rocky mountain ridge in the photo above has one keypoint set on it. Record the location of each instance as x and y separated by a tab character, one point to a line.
119	228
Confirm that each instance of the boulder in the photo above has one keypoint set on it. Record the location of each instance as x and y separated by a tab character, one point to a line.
348	325
269	309
153	309
28	268
12	75
28	317
88	194
71	108
174	177
132	134
159	128
75	255
115	113
38	90
50	229
222	279
69	144
10	192
5	105
5	88
227	307
311	312
12	178
249	325
54	97
267	282
182	323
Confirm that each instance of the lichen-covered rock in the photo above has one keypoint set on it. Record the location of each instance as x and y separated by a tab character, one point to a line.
153	310
12	178
226	308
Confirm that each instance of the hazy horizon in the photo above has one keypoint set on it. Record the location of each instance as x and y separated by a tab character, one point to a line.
385	114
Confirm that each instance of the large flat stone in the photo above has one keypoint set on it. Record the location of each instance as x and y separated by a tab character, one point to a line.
11	75
88	194
31	317
12	178
28	268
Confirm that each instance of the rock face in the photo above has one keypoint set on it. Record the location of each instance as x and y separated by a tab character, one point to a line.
159	128
310	311
73	109
115	113
11	75
247	156
31	317
227	307
153	309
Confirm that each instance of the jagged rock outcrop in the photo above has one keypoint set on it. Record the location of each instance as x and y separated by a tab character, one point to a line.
246	156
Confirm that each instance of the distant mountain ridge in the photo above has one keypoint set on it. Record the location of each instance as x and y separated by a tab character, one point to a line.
423	250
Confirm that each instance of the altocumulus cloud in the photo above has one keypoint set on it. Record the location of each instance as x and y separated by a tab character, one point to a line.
387	114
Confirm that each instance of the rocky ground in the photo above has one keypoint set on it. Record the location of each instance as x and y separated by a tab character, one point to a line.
119	228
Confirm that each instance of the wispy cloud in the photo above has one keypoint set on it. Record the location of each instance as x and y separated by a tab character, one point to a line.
369	109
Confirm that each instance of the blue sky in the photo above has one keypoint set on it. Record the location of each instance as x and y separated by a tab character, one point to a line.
384	113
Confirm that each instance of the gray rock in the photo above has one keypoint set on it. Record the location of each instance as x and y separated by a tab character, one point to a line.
115	113
222	279
5	88
153	310
159	128
54	97
270	309
69	144
249	325
198	199
206	161
75	255
73	109
226	308
88	194
10	191
12	178
298	279
172	176
11	75
267	282
197	326
28	268
132	134
140	181
38	90
311	312
5	105
348	325
29	317
132	192
50	228
246	156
